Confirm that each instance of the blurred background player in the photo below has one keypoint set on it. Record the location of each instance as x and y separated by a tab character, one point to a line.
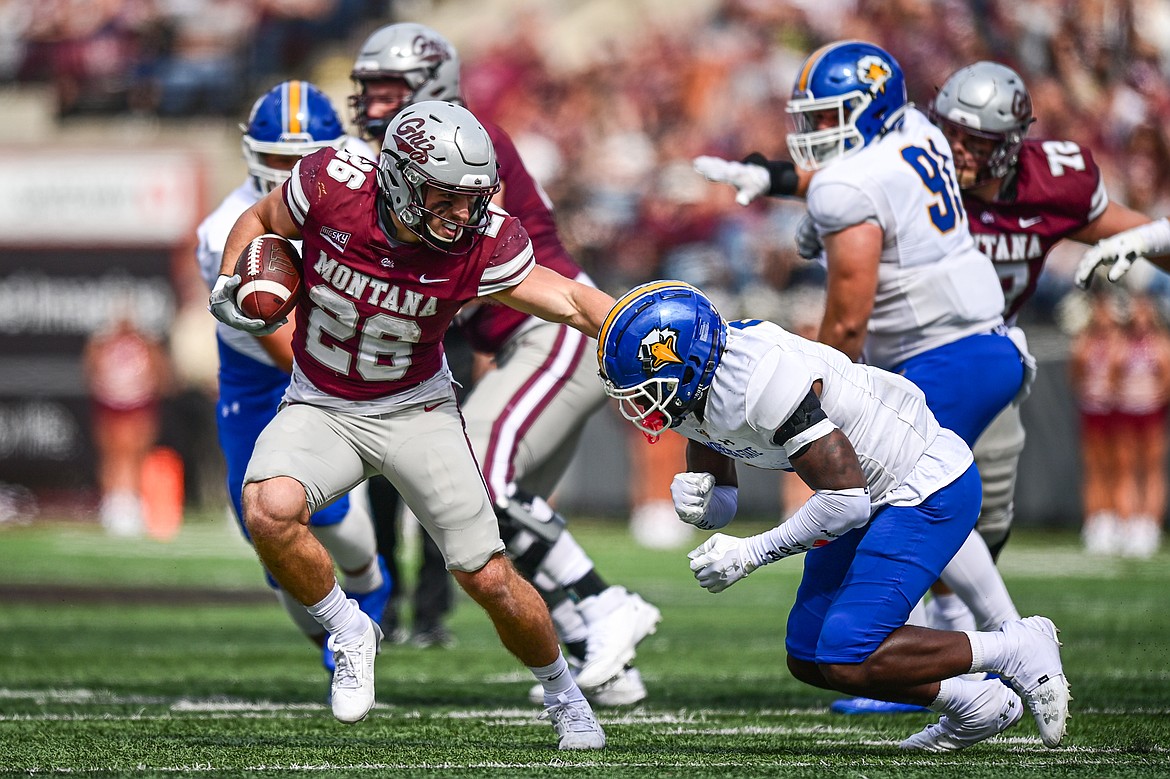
1143	390
289	121
1093	366
525	416
127	372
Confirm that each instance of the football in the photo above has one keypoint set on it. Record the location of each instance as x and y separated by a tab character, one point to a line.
270	278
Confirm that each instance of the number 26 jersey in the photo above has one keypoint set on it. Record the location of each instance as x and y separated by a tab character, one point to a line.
370	325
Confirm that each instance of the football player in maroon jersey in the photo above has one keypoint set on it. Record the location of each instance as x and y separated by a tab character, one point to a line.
524	417
391	251
1023	196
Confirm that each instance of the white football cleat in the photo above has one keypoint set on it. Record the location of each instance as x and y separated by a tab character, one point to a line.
575	724
1036	673
625	689
352	690
999	709
616	620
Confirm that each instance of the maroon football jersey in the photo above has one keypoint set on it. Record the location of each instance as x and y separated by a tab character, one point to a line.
372	319
491	324
1058	191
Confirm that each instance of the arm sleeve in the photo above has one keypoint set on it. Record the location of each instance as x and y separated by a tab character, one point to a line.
828	514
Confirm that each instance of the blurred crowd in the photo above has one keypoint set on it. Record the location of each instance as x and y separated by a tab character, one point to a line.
611	133
167	57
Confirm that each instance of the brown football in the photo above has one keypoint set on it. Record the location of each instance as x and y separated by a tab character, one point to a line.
270	278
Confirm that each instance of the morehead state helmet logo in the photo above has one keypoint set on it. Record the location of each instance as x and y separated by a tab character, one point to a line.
411	138
875	71
659	349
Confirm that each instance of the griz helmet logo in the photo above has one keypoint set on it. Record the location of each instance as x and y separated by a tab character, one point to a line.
431	49
658	349
1021	105
412	139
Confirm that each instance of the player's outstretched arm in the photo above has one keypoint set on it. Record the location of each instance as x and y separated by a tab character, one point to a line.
550	296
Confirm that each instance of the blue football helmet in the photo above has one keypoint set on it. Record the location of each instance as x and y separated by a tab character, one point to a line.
292	119
658	349
848	95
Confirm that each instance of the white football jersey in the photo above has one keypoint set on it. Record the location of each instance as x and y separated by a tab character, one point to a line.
212	234
764	374
934	285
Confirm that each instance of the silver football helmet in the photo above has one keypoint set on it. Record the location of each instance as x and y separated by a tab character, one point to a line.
989	102
415	54
440	146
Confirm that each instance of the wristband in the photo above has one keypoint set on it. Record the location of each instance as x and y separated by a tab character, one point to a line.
785	180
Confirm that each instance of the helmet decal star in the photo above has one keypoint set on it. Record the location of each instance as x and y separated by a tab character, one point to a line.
874	71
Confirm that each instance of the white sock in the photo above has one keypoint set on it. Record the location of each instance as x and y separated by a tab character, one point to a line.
566	562
556	680
340	616
972	574
989	651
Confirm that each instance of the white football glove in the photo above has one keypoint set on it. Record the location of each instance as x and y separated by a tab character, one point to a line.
1118	251
691	493
750	181
720	562
808	243
222	305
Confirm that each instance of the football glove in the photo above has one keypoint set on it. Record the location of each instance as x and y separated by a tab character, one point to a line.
750	181
720	562
222	305
1116	253
691	493
808	243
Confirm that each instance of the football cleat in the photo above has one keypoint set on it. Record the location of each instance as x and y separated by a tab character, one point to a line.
999	709
872	706
625	689
575	724
1035	672
617	620
352	690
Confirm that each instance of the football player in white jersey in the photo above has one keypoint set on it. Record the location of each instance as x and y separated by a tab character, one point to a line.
896	495
292	119
907	290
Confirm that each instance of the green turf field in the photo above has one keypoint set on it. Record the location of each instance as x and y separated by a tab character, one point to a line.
134	658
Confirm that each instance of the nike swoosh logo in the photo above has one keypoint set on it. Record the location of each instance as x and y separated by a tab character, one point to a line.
1026	223
434	406
423	278
556	676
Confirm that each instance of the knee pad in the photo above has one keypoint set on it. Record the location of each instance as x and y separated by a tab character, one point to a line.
529	528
